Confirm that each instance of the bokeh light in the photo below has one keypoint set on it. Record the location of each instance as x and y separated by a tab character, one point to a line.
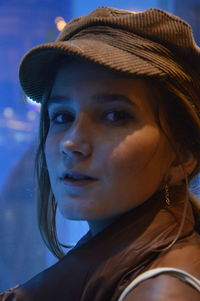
8	112
31	115
60	23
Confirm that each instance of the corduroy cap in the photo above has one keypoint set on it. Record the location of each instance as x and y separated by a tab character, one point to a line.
149	43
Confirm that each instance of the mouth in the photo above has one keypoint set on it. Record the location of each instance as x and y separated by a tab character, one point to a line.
76	179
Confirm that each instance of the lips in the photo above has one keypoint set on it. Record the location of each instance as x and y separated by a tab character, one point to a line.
76	178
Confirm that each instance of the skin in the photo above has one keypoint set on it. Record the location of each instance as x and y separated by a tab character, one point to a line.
127	152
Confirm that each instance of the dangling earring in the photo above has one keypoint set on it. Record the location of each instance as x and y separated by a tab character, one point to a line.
167	199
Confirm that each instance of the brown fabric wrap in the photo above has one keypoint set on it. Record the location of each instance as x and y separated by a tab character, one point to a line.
99	268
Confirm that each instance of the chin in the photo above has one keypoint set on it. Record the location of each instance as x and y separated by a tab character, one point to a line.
83	215
74	214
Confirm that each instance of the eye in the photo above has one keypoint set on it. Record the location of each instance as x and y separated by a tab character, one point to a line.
61	117
117	116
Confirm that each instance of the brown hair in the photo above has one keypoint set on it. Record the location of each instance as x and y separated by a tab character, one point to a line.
177	111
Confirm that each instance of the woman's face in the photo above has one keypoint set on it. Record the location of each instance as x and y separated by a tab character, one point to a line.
102	126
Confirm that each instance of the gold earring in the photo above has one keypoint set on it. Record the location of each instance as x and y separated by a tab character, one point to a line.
167	199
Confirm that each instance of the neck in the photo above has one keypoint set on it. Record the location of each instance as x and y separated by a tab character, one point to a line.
175	193
97	226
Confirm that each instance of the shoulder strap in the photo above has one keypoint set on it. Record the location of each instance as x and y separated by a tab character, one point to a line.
182	275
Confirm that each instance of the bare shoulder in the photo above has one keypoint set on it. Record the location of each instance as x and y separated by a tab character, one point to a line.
185	255
163	288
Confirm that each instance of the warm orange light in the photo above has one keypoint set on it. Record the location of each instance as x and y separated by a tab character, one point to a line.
60	23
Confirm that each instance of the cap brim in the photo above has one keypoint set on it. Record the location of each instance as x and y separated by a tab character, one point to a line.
39	65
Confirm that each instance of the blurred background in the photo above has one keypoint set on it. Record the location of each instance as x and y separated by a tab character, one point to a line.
24	24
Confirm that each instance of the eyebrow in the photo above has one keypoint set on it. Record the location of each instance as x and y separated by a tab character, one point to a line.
99	98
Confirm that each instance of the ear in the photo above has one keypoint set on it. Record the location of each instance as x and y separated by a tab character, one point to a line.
180	168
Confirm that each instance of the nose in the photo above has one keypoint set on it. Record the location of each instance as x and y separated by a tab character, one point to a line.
77	141
72	148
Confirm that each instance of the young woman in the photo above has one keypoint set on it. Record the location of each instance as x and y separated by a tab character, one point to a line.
119	143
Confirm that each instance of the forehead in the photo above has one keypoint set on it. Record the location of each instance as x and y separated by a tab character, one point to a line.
78	78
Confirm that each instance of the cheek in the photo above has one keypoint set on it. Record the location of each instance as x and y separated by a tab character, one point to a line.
135	151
